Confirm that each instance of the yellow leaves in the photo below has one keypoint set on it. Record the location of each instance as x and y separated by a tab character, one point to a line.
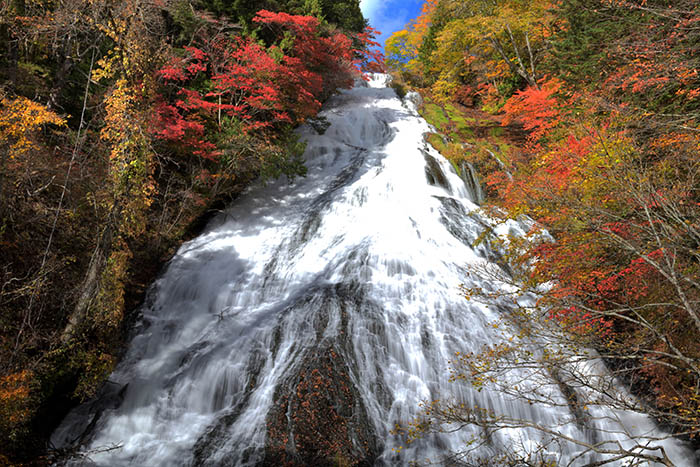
495	69
599	169
402	50
106	66
19	119
402	46
96	366
108	315
131	158
444	90
455	43
119	121
133	50
474	39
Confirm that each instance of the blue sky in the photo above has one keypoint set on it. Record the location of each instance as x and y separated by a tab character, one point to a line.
390	15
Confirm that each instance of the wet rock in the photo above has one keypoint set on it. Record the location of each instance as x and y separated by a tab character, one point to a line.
434	173
320	124
471	180
319	418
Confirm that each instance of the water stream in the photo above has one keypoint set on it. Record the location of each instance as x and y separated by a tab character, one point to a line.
312	317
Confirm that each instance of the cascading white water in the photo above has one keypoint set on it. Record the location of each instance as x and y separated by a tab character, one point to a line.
312	317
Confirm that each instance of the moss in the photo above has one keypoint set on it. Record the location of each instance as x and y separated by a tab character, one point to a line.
472	137
435	140
458	118
434	115
456	166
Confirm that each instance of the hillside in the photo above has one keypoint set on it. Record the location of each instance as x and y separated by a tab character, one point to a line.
123	126
605	94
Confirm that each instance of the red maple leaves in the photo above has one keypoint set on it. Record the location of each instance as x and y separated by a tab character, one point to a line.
260	87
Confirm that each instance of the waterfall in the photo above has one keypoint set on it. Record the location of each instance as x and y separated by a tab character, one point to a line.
472	182
313	316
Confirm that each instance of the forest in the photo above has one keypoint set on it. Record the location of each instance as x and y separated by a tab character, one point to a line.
588	111
124	125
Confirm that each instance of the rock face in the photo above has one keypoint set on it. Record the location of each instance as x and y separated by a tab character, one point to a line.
318	417
472	182
434	174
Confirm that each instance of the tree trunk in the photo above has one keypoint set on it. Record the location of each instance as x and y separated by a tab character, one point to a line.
90	286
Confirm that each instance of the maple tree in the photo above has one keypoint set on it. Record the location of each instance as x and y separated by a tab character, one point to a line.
402	47
260	90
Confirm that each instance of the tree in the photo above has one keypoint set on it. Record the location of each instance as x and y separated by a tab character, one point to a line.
253	93
609	272
20	118
457	43
123	125
345	14
402	47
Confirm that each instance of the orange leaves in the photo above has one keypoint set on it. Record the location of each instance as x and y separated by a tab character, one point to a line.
369	58
610	171
298	24
20	123
246	83
656	64
323	52
402	47
14	399
582	323
20	118
537	109
423	21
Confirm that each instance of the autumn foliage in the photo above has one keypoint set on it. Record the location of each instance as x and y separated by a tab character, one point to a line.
123	126
536	108
607	93
623	213
263	89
